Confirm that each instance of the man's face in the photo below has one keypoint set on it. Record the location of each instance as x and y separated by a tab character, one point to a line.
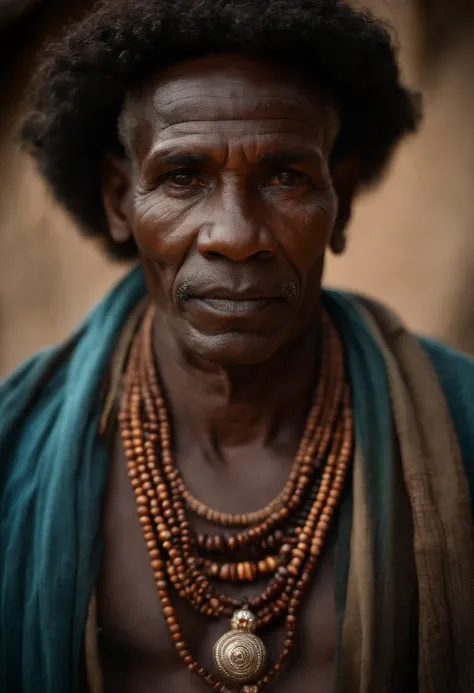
231	203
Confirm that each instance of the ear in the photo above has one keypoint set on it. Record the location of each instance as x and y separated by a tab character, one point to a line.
116	185
345	178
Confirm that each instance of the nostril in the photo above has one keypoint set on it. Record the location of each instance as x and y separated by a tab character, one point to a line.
264	255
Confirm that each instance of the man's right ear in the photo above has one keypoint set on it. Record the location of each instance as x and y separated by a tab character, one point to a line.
116	187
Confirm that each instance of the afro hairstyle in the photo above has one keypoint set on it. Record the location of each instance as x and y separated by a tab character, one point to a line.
79	89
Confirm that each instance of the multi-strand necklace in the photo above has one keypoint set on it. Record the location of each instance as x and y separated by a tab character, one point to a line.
281	542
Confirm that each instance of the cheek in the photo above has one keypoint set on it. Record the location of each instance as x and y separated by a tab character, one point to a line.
308	228
162	228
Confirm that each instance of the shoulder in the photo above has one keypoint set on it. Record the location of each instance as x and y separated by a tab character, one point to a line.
23	381
29	399
82	357
456	375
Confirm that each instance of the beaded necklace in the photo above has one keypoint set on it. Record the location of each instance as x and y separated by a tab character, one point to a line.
282	541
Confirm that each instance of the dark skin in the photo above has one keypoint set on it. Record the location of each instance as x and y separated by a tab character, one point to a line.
233	204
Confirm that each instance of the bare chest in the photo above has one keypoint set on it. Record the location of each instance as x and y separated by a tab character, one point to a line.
136	647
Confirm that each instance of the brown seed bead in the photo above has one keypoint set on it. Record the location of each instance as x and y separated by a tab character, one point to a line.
293	569
250	571
214	569
225	572
218	542
272	563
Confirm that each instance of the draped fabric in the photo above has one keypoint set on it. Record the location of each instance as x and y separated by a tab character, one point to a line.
408	622
52	477
390	567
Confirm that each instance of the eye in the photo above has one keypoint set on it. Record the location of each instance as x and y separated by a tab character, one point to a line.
182	178
289	178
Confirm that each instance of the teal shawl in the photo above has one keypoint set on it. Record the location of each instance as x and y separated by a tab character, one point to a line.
53	468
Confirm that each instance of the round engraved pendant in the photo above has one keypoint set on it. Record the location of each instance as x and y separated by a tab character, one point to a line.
241	656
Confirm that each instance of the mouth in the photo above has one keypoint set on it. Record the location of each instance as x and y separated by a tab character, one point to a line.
237	305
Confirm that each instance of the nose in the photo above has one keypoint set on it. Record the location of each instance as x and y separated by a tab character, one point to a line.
235	231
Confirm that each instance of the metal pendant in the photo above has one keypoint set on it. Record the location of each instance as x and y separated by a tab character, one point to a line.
240	655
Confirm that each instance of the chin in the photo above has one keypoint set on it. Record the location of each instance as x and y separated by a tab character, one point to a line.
234	348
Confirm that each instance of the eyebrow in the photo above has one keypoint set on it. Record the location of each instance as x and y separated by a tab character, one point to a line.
181	158
278	158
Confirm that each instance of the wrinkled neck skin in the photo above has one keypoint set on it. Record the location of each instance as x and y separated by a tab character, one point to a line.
216	407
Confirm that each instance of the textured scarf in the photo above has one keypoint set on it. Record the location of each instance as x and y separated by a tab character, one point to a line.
408	621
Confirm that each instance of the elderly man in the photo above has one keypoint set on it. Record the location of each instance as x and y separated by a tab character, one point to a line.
229	480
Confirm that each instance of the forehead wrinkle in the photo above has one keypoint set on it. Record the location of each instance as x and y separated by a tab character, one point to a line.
178	111
179	135
323	124
281	136
295	147
268	140
234	86
167	119
181	129
221	98
197	85
169	100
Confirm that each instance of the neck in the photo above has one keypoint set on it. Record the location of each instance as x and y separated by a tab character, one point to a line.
218	407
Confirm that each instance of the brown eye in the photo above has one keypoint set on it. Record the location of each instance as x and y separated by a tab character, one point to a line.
289	179
182	179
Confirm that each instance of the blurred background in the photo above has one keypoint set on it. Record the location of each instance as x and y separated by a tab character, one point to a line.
411	242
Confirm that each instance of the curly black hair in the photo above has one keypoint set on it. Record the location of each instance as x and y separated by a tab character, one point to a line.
80	87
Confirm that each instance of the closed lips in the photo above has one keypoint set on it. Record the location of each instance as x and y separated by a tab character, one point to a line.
237	305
